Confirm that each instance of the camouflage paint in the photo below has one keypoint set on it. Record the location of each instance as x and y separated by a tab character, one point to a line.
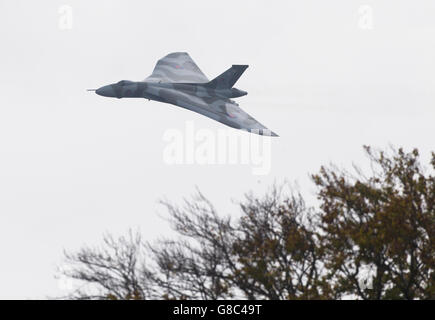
177	80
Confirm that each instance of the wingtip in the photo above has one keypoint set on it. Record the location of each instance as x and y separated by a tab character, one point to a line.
263	132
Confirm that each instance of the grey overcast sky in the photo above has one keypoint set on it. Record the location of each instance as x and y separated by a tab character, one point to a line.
74	165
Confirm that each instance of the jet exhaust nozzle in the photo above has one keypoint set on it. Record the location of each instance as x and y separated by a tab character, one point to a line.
236	93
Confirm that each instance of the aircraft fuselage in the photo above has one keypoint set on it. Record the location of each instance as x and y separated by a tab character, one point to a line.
165	92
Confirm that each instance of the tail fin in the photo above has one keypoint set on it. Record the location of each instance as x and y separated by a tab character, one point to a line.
227	79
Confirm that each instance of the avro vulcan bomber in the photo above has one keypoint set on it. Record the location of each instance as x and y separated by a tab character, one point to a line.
177	80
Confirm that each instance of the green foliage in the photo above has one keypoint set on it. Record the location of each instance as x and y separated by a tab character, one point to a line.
385	222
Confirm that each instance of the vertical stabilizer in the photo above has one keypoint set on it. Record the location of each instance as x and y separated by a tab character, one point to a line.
227	79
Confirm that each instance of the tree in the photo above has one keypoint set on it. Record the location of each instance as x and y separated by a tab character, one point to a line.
371	238
115	269
269	252
384	223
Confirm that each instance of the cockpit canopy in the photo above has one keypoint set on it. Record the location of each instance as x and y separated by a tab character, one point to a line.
124	82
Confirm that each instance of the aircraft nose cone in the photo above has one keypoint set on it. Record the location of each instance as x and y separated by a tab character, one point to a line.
105	91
